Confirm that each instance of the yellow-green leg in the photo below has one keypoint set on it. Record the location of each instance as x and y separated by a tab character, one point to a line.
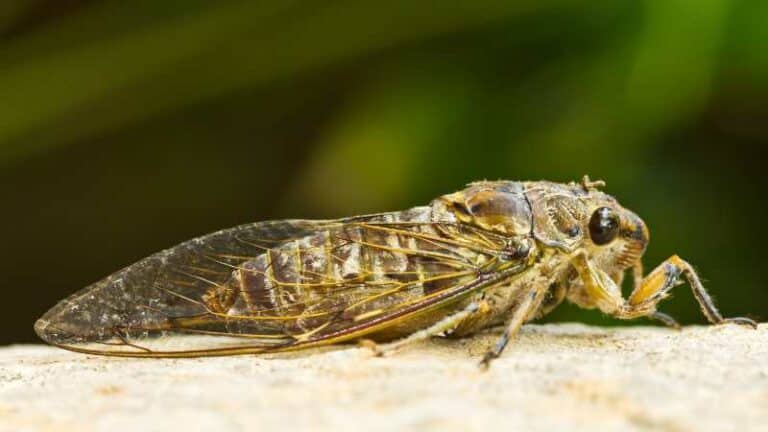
603	293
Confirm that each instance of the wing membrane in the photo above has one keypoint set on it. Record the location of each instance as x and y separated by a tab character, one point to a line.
168	284
170	304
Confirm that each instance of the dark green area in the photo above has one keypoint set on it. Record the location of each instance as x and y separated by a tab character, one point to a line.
127	127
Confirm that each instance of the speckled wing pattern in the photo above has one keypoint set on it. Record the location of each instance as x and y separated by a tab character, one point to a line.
280	285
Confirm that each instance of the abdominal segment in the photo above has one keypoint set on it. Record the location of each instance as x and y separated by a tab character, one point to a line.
341	276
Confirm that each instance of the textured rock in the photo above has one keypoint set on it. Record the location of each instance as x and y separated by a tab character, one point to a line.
564	376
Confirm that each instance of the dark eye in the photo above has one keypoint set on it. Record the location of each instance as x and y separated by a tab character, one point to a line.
603	226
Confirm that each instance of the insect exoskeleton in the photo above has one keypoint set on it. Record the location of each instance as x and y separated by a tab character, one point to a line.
496	252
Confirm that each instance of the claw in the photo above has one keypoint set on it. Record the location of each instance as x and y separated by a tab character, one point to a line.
667	320
371	345
485	363
740	321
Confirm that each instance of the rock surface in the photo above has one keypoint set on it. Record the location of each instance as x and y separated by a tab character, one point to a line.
558	376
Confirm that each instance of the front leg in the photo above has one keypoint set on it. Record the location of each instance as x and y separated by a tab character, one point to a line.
666	320
657	285
602	292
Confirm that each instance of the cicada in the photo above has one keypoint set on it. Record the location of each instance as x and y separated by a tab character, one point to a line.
495	253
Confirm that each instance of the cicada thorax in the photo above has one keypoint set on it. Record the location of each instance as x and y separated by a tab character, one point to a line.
347	273
558	213
496	207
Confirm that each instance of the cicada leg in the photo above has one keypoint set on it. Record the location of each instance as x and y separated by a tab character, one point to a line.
446	324
528	305
521	313
603	293
552	298
665	319
656	285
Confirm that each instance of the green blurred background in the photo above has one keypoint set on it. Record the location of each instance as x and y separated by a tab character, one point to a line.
127	127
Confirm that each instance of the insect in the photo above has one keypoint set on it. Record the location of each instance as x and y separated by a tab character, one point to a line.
496	252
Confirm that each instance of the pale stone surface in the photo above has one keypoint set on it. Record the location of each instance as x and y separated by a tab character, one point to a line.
554	377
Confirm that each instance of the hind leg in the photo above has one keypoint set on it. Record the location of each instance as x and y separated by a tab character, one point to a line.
473	311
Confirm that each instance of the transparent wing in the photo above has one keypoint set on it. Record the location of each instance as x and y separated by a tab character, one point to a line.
378	271
147	293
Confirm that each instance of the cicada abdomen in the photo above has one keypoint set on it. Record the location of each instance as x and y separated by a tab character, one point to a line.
339	276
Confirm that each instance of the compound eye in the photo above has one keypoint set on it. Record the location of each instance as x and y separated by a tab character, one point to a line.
603	226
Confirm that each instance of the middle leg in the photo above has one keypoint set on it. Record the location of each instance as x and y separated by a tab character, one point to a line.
522	312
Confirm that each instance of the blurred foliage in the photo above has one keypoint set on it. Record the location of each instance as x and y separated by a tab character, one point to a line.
127	127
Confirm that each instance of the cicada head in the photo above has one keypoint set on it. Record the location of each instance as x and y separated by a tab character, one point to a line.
578	215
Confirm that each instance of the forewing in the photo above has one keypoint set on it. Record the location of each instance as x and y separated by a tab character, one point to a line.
140	299
401	269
